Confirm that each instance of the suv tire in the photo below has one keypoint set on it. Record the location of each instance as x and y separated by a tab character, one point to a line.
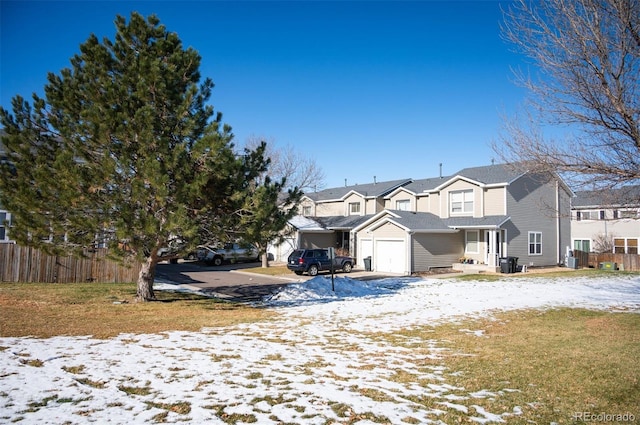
313	270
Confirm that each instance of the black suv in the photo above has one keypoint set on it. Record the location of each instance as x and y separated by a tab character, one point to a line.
314	260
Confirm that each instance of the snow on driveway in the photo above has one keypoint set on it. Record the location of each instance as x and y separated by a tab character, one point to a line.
315	364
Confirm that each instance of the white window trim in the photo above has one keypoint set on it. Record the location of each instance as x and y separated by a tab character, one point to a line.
466	242
626	244
573	242
464	201
406	202
534	254
350	208
6	227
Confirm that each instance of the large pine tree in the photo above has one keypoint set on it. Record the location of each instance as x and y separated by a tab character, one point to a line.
123	149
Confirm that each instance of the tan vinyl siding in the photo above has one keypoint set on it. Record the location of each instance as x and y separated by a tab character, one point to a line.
423	204
353	198
327	209
370	206
401	196
457	186
436	250
494	201
435	204
307	203
389	230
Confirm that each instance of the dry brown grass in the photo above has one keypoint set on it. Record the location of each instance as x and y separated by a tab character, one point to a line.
106	310
552	365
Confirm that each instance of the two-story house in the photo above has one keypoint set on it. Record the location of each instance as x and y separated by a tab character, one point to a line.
606	221
480	213
328	217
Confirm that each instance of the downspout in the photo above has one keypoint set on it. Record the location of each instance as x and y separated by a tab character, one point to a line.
409	254
558	240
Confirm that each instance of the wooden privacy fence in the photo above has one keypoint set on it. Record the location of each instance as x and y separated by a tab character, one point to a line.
627	262
24	264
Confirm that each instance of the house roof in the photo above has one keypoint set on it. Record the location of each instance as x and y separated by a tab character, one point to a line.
491	174
490	221
626	195
306	224
423	185
418	221
342	222
318	224
369	190
421	222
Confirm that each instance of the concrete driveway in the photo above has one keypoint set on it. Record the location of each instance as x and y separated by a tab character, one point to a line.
230	282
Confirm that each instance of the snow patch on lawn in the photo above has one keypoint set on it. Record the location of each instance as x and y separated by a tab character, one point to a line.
316	364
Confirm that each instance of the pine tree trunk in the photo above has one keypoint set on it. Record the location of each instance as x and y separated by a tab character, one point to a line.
145	281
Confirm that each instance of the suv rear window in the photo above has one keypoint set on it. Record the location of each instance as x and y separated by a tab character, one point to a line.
297	253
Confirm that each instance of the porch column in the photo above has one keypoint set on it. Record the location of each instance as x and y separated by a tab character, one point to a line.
492	249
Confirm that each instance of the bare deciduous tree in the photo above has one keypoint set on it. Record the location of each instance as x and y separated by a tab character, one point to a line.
299	171
587	83
603	243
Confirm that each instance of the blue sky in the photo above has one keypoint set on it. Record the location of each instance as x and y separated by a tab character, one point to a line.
367	88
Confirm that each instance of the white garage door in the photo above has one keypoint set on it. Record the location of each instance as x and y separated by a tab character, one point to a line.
389	256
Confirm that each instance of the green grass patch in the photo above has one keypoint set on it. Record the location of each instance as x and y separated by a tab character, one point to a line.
550	365
105	310
540	273
146	390
269	271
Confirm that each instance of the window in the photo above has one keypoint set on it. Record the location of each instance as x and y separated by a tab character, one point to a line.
625	245
306	210
587	215
461	202
354	208
535	243
472	242
403	205
602	217
4	217
628	214
582	245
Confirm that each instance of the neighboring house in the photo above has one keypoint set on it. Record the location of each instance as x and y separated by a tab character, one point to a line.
5	216
407	226
606	221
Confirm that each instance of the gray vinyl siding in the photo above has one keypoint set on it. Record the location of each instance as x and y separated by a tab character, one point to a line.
565	221
531	204
317	240
436	250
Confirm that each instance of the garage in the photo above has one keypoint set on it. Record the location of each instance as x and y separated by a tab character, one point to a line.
390	256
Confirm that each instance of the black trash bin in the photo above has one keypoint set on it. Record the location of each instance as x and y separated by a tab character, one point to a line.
504	265
367	263
513	264
508	264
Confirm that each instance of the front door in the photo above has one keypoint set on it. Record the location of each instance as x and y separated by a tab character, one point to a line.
493	242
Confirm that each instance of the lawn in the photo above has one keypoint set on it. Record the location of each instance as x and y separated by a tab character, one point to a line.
106	310
544	366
